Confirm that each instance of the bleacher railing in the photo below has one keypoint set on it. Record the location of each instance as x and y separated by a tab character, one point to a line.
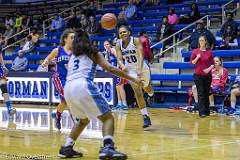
224	9
174	38
23	37
49	20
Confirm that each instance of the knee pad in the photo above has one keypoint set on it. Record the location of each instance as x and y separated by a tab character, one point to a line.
3	87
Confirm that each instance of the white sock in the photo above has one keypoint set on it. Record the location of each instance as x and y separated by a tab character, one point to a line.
150	94
119	102
108	137
233	104
124	102
144	111
69	142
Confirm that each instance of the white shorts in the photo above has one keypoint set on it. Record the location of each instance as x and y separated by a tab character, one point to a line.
84	99
146	73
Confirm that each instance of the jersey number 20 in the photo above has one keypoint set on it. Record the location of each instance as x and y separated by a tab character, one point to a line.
131	59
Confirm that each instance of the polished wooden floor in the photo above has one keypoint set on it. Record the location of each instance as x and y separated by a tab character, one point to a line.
174	135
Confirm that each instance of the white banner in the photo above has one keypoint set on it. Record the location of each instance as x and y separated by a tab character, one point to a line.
28	89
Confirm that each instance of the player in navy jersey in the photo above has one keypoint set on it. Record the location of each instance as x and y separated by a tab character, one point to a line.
61	55
3	83
84	99
111	57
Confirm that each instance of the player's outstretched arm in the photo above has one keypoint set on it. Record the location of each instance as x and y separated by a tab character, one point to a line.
50	57
98	58
119	56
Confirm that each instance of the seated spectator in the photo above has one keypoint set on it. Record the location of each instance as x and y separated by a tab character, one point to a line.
57	23
20	63
94	27
200	31
9	21
18	23
28	22
131	9
172	17
194	16
91	9
28	46
231	22
7	34
84	22
219	80
235	91
229	39
41	68
73	22
122	17
164	31
148	55
35	36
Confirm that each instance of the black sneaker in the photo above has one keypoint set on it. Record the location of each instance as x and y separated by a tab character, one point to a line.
146	121
108	152
68	152
150	99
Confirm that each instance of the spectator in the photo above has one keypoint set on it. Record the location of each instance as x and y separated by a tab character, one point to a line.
219	80
164	31
122	17
28	22
93	27
231	22
172	17
146	46
235	91
229	39
7	34
18	23
41	68
57	23
131	9
20	63
28	46
200	31
91	9
202	57
194	16
35	36
42	19
9	21
84	22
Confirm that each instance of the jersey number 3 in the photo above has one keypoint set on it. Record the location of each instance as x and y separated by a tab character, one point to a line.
76	64
131	59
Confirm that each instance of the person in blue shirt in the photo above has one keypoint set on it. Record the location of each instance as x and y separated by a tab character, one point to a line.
61	55
3	82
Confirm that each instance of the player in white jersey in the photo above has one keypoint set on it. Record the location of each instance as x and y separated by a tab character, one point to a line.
84	99
130	50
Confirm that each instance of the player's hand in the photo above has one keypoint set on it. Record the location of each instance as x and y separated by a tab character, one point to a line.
5	70
199	56
45	63
139	82
139	74
125	69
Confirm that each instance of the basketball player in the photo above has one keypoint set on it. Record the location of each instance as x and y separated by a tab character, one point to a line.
61	54
84	99
130	49
3	83
111	57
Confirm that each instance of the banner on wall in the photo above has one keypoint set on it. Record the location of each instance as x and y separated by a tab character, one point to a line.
28	89
105	85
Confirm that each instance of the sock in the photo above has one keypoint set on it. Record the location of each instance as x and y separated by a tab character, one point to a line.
107	140
8	105
124	102
69	142
119	102
58	115
144	111
233	104
150	94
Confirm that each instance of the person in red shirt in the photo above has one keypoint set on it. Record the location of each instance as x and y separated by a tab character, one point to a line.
146	46
202	57
219	80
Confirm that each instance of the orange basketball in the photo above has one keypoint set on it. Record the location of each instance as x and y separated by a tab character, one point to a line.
109	21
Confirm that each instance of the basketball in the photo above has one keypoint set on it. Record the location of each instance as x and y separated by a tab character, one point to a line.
109	21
